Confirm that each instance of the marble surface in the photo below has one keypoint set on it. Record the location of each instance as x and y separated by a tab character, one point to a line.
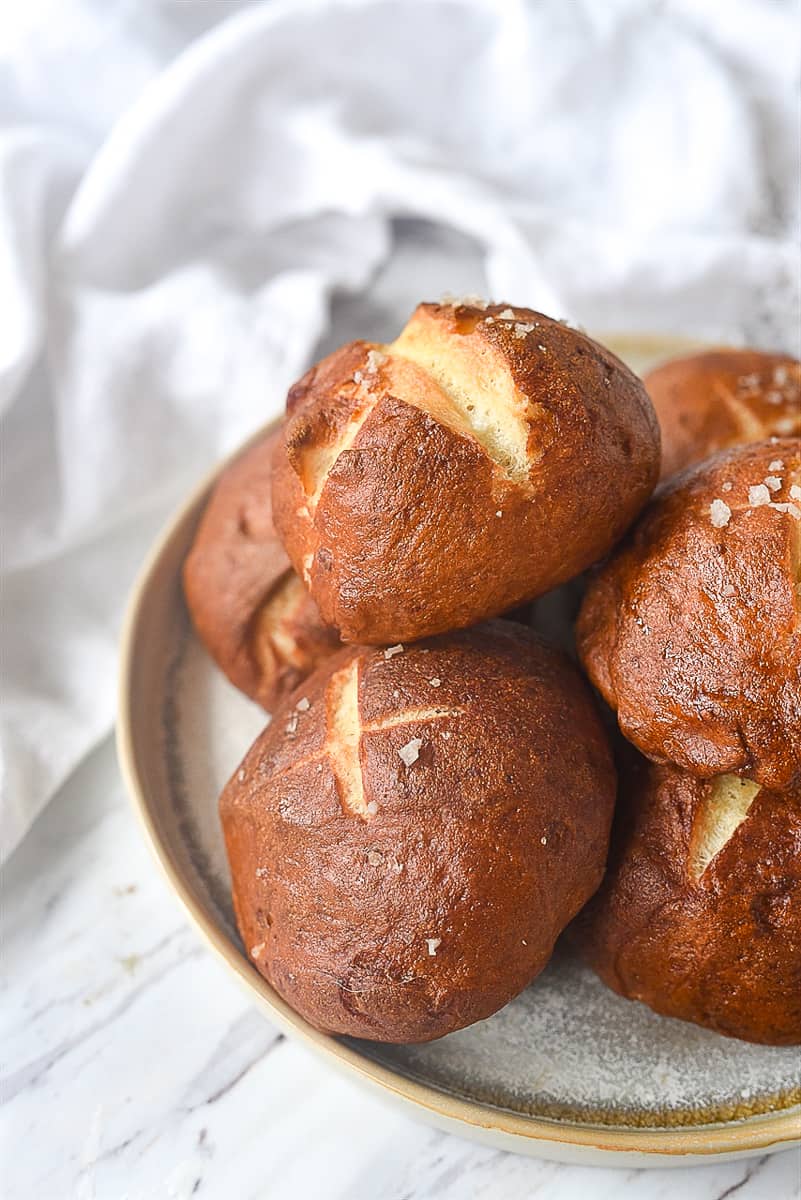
135	1069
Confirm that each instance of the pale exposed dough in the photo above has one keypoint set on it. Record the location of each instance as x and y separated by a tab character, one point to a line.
720	814
344	736
464	388
345	733
484	400
320	458
752	429
412	716
273	620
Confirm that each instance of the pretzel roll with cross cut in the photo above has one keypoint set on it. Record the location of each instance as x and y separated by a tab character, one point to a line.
249	608
699	914
484	457
412	832
720	398
691	629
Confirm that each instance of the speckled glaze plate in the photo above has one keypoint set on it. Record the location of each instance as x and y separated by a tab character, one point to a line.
567	1071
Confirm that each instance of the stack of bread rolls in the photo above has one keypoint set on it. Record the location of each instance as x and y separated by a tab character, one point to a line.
691	631
430	805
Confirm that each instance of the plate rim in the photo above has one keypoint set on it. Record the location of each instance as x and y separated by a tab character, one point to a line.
530	1134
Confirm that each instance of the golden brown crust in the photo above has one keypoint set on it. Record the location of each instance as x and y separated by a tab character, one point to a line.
485	457
399	900
721	398
691	630
248	606
721	948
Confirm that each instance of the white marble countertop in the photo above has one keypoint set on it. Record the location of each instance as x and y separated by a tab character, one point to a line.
134	1069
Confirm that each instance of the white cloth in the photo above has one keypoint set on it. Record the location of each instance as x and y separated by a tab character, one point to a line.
184	185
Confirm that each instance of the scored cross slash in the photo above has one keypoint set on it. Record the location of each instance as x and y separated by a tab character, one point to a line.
344	733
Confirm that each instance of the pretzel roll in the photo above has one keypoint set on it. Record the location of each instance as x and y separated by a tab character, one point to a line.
413	830
699	914
721	398
249	608
691	630
484	457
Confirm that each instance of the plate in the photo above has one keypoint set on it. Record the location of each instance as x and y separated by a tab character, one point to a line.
568	1070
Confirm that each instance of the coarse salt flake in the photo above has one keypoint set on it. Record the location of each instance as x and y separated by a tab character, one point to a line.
727	486
391	651
372	808
773	482
375	858
758	494
776	465
719	513
411	751
792	510
507	314
304	704
256	950
375	359
499	513
469	301
795	492
435	682
433	945
241	775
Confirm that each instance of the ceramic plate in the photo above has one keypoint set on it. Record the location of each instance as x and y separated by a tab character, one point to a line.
568	1070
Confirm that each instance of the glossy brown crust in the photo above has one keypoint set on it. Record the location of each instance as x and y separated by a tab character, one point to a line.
722	951
721	398
249	608
438	903
691	632
419	528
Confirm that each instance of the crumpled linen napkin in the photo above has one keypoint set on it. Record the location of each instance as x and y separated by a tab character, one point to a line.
186	184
